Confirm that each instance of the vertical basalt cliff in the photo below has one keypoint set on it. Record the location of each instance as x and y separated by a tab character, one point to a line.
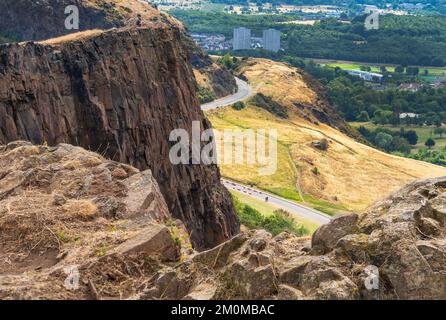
119	92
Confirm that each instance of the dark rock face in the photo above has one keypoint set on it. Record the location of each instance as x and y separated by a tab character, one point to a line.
37	20
119	93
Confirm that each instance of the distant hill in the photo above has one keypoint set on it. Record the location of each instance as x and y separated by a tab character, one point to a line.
348	175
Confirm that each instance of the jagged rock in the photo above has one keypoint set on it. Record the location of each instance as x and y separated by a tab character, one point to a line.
141	200
325	238
410	275
260	240
289	293
252	282
295	270
321	145
171	286
218	256
204	291
343	289
154	240
355	247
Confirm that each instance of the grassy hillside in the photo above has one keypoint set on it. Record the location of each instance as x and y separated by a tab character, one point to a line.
349	175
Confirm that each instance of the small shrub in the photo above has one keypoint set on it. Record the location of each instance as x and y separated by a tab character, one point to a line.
281	221
205	95
250	217
238	105
315	171
62	236
127	9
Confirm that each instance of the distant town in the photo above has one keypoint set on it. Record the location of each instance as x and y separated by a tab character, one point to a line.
310	12
242	40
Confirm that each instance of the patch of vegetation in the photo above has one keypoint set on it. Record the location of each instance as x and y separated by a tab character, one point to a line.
267	103
276	223
238	105
205	95
390	140
228	61
429	155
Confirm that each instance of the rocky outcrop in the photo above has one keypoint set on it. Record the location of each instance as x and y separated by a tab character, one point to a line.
395	250
53	195
120	103
53	218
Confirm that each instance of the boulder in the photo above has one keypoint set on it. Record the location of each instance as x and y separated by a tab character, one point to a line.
294	270
287	292
321	144
218	256
204	291
154	240
252	282
325	237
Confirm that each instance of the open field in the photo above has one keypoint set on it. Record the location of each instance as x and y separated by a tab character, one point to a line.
423	133
375	67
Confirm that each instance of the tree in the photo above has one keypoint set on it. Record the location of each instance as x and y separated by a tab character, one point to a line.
429	143
411	137
227	60
400	144
383	140
363	117
439	131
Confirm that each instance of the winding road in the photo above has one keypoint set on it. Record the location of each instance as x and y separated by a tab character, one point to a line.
290	206
244	92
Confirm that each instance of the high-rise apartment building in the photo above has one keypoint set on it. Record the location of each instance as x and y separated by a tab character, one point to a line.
242	39
271	40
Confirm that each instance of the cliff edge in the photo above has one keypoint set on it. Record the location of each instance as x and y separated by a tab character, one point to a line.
119	92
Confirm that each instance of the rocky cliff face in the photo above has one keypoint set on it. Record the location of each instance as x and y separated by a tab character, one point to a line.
29	20
120	93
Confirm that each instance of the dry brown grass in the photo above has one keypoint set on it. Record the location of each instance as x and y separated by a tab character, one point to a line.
72	37
81	208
